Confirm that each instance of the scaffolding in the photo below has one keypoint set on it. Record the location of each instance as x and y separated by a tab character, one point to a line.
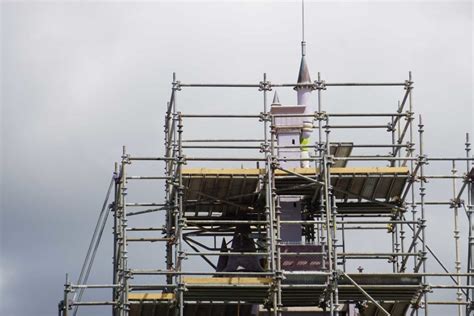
203	206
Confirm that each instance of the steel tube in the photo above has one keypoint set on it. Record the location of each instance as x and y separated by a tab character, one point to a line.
94	303
220	116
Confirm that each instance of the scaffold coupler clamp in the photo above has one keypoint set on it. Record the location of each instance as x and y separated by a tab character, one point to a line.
427	288
182	222
456	203
264	86
409	115
264	117
330	160
321	116
421	222
264	147
181	159
126	158
176	85
422	255
275	164
320	85
422	159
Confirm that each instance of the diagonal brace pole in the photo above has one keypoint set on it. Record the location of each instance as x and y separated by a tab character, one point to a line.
365	293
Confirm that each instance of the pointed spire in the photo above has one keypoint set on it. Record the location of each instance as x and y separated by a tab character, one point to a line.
276	100
303	75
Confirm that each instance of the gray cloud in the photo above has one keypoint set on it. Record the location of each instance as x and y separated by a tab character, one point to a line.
81	79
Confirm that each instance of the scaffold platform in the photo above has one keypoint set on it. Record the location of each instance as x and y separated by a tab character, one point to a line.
397	292
228	191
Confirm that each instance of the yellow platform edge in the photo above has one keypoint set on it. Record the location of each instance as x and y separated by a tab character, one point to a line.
228	280
151	296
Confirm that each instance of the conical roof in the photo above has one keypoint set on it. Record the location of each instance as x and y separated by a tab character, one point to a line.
276	100
303	75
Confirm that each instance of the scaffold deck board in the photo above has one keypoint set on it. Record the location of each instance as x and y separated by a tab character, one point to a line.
394	308
395	291
230	190
151	296
228	280
303	171
195	309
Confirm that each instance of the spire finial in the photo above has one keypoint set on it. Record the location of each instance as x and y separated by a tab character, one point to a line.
303	75
303	43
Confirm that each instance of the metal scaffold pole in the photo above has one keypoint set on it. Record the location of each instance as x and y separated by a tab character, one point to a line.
276	220
469	208
269	203
180	221
123	271
329	226
115	228
422	162
457	263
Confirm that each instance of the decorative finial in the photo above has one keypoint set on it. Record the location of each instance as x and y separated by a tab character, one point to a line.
303	43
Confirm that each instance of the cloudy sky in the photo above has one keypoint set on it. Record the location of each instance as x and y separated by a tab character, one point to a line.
81	79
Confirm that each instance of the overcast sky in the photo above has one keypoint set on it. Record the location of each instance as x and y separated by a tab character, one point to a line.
81	79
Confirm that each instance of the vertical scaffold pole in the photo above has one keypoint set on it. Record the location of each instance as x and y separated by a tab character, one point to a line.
422	162
413	205
115	229
410	150
277	208
269	205
67	289
457	262
169	128
394	228
470	254
119	209
123	232
320	152
180	220
330	229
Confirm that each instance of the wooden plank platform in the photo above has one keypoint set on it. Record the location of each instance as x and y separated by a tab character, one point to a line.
151	296
228	191
303	171
227	280
395	292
